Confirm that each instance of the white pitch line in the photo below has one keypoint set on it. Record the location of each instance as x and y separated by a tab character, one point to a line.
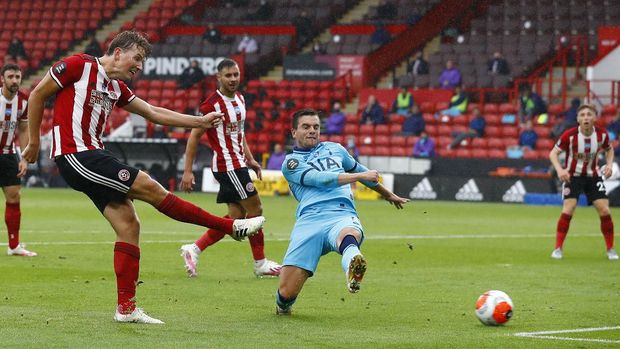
545	334
371	237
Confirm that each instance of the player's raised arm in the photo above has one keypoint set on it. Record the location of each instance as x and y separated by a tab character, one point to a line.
36	103
163	116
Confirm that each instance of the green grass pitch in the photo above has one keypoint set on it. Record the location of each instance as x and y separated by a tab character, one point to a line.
427	264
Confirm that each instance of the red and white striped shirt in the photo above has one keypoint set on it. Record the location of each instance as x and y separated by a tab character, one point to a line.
12	112
582	151
227	139
83	104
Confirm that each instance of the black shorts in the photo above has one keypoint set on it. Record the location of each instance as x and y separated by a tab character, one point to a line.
234	185
98	174
8	170
593	187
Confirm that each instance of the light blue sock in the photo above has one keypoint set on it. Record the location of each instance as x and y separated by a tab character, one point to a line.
347	255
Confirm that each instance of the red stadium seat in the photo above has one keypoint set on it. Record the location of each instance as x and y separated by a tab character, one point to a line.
495	143
490	108
351	129
367	130
395	129
411	140
400	151
510	131
479	143
479	153
493	119
431	130
497	154
507	108
492	131
444	130
398	141
382	151
427	107
382	140
382	130
545	143
367	150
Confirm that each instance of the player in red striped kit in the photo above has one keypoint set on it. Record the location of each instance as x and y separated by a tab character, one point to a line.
86	89
580	173
13	124
231	159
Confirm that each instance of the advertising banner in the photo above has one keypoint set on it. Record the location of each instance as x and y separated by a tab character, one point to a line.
511	190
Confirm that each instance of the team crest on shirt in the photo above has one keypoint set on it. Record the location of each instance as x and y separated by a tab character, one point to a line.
123	175
566	191
237	110
292	164
249	187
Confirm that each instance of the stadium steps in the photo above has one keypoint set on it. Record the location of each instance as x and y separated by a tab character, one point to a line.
575	87
101	34
357	12
389	80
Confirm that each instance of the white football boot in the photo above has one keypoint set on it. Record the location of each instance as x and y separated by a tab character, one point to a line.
355	274
190	254
20	251
612	255
557	253
138	316
246	227
267	267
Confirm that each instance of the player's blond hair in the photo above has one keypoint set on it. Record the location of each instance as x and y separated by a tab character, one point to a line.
587	106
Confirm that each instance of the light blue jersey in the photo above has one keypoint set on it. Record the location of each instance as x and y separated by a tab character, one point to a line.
313	176
325	207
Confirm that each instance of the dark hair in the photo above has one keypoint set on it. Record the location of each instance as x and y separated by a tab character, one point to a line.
303	112
9	66
125	41
588	106
225	63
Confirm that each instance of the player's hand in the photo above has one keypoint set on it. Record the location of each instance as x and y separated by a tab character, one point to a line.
396	200
607	171
213	119
187	182
371	176
31	153
22	168
254	165
564	176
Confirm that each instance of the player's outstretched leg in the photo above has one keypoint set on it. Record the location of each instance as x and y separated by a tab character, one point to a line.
353	263
184	211
355	273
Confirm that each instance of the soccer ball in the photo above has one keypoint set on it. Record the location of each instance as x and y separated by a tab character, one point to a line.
494	308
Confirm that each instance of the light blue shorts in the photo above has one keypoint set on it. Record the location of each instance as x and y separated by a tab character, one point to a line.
315	233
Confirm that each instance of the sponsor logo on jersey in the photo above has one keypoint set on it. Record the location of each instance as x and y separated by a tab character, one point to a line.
423	190
515	193
292	164
469	192
123	175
